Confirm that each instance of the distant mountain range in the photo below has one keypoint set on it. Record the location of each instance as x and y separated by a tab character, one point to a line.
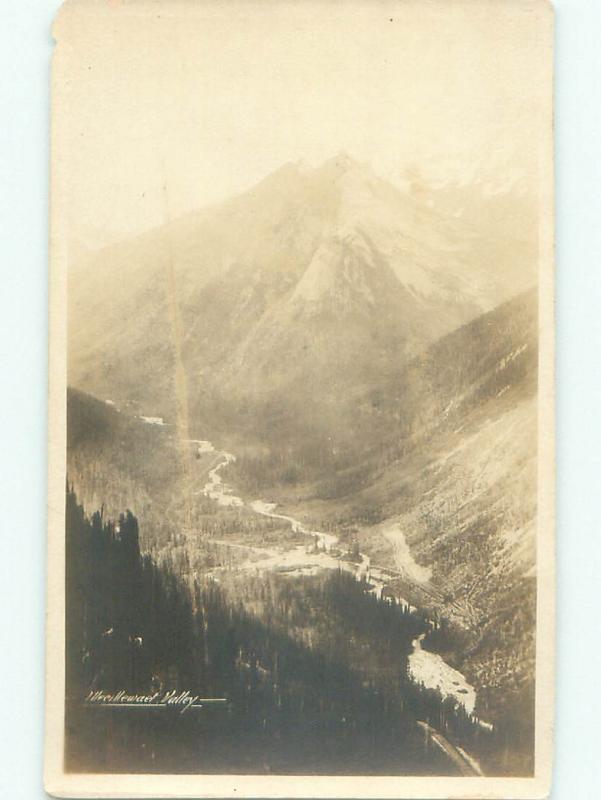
282	305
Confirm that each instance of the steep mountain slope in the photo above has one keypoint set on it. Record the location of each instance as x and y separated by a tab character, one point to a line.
313	286
450	503
116	461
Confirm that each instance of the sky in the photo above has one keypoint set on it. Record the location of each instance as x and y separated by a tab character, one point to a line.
206	98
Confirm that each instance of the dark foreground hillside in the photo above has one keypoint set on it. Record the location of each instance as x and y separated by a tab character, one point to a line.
321	700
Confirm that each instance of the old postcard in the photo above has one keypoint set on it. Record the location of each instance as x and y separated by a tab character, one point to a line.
301	400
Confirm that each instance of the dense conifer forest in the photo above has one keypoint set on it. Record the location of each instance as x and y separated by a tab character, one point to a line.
307	690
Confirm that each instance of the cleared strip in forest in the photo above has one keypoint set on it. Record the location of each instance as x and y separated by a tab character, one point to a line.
466	765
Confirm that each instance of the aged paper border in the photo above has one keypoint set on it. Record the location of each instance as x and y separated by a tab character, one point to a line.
59	783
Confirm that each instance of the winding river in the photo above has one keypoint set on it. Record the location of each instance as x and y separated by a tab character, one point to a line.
321	552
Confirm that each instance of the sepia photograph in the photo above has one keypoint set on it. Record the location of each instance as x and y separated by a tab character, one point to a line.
301	399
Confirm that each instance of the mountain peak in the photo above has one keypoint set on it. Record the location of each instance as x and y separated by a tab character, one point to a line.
342	162
291	177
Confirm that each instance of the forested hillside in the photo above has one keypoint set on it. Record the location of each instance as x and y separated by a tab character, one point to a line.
455	481
117	460
448	468
308	690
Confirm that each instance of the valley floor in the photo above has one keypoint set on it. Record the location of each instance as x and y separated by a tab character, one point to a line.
237	543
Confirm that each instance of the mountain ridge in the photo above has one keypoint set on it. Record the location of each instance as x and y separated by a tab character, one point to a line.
330	276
